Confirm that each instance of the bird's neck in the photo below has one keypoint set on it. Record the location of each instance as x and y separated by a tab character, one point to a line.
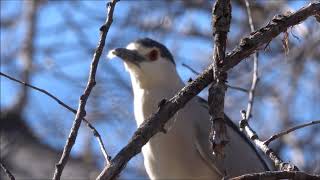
148	95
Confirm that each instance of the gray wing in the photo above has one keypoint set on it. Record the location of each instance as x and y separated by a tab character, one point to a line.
203	147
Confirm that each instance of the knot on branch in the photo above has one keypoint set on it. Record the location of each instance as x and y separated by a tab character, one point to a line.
288	167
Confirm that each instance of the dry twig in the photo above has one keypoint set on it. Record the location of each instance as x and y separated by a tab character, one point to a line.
84	97
89	125
255	77
276	136
157	120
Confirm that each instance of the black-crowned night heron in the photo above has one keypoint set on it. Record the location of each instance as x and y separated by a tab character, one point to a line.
184	151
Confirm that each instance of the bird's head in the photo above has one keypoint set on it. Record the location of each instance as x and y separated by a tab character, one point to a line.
149	63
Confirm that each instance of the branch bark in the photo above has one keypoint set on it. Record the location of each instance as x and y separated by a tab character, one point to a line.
221	16
157	120
293	175
81	112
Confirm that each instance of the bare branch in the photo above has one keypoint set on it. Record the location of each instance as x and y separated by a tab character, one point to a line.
276	136
221	16
157	120
89	125
8	173
255	76
81	112
293	175
279	164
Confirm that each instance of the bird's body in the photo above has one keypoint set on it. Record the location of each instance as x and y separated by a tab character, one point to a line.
184	151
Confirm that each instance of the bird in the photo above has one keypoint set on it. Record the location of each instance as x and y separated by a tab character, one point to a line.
184	151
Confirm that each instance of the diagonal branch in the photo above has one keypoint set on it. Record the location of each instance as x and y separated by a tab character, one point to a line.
276	136
279	164
221	16
81	112
157	120
8	173
93	129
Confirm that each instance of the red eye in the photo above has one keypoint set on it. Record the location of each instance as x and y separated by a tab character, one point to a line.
153	55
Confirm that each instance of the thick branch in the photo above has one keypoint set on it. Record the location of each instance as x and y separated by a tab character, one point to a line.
221	25
89	125
84	97
294	175
157	120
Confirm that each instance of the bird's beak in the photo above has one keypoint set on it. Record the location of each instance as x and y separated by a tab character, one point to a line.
127	55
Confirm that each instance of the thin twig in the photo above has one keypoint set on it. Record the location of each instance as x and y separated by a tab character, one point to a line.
8	173
81	112
228	85
293	175
221	18
276	136
255	75
279	164
89	125
157	120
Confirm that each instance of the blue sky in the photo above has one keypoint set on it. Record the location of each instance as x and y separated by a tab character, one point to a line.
75	64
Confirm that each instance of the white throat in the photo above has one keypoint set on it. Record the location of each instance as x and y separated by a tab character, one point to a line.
150	90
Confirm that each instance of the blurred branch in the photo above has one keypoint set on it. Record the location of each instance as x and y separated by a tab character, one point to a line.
27	52
81	112
276	136
93	129
8	173
221	18
228	85
255	76
293	175
279	164
156	121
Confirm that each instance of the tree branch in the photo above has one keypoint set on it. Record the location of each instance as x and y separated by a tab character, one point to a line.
255	76
279	164
157	120
293	175
221	16
27	52
89	125
81	112
276	136
7	172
